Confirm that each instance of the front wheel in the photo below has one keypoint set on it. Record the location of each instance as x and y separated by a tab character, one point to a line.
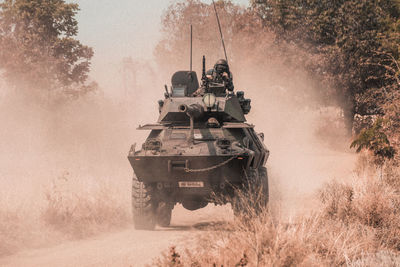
164	214
252	199
143	206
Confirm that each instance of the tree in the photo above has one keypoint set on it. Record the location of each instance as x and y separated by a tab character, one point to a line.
38	49
375	140
173	49
355	38
350	48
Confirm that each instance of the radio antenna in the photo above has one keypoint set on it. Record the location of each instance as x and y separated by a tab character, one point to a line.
220	31
191	46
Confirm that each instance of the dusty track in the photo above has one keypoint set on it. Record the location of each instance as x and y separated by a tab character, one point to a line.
127	247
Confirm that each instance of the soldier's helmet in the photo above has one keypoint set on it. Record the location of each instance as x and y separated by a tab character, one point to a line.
221	66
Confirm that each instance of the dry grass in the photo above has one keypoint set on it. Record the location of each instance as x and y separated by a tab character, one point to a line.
73	208
381	258
358	224
12	231
79	213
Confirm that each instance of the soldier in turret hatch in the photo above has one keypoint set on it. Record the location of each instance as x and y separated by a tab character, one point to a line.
219	74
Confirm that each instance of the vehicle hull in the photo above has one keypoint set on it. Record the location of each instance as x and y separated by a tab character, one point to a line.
173	169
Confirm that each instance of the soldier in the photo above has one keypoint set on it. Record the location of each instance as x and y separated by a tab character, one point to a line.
219	74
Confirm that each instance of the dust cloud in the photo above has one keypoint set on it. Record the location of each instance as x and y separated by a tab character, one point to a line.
307	141
63	167
303	155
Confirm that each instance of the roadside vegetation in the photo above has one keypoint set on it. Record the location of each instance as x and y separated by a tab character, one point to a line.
78	212
356	224
13	231
69	209
39	53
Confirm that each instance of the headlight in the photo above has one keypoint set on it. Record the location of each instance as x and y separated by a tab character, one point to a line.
209	100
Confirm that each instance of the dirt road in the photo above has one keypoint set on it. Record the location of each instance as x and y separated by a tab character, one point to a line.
127	247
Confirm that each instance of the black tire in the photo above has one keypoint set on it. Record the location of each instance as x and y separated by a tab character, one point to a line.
243	198
254	196
164	213
143	206
263	182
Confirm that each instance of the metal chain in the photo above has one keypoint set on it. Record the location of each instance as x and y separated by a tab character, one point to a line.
212	167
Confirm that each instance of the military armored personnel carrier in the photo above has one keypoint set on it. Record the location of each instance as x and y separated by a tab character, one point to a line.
200	151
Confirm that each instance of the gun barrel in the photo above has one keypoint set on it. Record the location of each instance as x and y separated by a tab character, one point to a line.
194	110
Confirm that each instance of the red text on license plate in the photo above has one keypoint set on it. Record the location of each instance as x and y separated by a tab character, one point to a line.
191	184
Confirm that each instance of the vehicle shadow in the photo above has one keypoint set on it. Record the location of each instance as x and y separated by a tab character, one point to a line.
202	226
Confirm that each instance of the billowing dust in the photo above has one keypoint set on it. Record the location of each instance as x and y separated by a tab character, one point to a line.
63	167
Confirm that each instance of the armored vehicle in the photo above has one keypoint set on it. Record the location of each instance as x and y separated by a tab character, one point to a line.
200	151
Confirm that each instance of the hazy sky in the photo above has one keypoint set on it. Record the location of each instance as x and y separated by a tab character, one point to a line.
117	29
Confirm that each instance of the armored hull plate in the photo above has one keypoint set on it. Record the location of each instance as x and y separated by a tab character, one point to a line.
173	168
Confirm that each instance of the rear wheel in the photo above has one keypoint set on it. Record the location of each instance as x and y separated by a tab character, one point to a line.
164	213
253	197
264	188
243	197
143	206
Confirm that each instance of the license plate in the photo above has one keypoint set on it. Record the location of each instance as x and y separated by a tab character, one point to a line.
191	184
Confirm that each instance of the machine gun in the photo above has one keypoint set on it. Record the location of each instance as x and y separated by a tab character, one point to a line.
226	80
204	79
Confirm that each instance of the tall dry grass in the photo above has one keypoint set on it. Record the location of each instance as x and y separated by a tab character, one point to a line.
79	213
13	231
357	224
70	208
